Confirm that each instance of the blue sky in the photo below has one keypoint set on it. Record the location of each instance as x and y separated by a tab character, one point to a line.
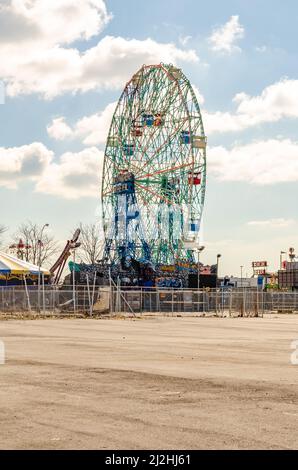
58	71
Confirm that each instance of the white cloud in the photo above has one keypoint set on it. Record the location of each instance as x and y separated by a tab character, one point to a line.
78	174
46	23
59	130
74	175
27	162
221	122
262	163
48	65
272	223
109	64
261	49
277	101
92	130
223	39
184	40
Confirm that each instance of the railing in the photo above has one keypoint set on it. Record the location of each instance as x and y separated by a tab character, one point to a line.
90	300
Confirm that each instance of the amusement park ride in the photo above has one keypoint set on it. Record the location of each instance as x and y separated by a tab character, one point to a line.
58	267
154	179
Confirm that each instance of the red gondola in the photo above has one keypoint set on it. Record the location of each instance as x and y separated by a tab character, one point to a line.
137	131
157	120
194	178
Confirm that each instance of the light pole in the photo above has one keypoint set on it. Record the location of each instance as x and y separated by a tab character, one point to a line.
241	268
200	249
74	281
280	259
39	242
217	263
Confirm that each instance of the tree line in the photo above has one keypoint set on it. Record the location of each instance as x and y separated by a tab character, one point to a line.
35	245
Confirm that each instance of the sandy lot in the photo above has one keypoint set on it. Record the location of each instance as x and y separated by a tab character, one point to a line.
199	383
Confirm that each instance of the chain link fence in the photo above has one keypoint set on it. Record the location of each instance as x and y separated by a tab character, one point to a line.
91	300
220	302
54	300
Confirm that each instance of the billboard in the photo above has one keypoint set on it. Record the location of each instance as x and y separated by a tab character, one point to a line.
259	264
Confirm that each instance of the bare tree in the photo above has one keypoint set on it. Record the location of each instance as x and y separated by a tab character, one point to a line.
2	230
37	246
92	241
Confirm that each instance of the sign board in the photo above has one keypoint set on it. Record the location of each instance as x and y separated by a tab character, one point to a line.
260	272
259	264
169	268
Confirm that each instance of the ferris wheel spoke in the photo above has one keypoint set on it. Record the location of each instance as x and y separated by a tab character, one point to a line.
149	140
164	143
167	170
158	196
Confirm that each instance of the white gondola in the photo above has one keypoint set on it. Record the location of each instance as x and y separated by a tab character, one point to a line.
199	142
175	72
137	78
113	141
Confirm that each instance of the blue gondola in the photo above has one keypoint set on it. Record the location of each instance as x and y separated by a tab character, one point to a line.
128	149
185	137
148	119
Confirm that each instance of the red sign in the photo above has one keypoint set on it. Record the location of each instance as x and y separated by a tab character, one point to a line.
260	272
259	264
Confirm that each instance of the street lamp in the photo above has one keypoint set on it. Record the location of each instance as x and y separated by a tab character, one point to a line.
280	259
217	263
39	242
200	249
241	268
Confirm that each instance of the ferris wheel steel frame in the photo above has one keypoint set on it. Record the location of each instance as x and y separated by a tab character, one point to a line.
157	134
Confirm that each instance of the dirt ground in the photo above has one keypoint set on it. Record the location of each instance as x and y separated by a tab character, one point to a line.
173	383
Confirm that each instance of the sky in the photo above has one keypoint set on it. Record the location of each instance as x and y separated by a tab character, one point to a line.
63	66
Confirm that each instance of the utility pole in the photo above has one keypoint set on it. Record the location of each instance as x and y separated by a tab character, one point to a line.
200	249
39	242
217	263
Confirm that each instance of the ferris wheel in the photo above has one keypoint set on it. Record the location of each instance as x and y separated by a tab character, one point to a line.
154	172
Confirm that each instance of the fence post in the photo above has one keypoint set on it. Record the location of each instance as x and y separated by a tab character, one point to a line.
141	301
230	303
27	294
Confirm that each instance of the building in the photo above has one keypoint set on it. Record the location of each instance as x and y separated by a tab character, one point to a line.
288	277
252	282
